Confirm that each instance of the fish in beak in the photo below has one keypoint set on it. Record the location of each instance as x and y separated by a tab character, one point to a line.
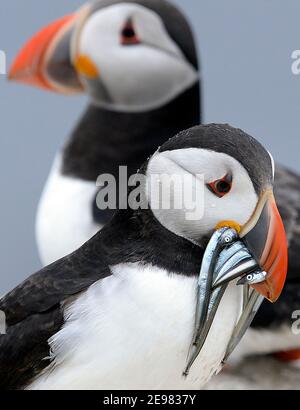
256	254
50	59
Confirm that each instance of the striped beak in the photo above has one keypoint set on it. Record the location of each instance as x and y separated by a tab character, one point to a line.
49	61
265	237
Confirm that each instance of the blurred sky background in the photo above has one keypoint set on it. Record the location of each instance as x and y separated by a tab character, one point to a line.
245	50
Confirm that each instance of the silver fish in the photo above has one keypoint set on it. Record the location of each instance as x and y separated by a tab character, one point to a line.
250	309
253	278
226	258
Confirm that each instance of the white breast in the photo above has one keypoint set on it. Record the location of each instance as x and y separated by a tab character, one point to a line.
133	331
64	217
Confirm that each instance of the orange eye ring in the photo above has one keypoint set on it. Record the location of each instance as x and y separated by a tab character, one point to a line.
221	186
128	34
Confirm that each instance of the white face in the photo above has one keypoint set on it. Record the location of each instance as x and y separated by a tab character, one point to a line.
202	168
133	77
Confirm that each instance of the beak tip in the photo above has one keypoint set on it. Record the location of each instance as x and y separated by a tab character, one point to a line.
14	70
12	74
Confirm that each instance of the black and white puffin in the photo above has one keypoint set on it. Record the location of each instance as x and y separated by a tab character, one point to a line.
119	312
137	61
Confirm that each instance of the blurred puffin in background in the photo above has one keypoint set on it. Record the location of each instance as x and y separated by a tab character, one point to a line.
137	61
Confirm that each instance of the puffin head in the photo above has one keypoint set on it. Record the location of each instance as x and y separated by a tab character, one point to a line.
228	178
131	55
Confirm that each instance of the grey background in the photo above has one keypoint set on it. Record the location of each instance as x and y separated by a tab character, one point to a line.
246	66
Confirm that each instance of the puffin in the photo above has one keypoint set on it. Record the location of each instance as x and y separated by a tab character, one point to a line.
137	61
119	312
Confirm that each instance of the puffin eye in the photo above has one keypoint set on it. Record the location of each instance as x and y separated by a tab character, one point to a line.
221	187
128	34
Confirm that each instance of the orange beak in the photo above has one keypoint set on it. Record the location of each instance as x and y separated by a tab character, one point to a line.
30	66
265	238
